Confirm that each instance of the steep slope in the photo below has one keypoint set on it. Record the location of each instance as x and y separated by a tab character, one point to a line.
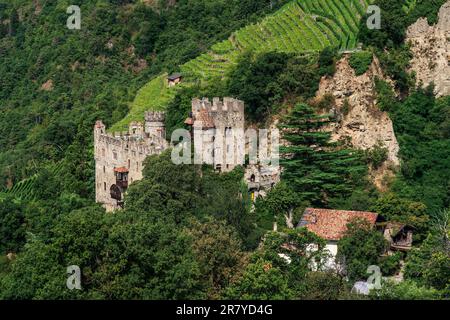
299	26
360	119
431	50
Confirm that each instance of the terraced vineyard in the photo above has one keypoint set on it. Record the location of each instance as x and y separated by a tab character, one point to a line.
24	189
299	26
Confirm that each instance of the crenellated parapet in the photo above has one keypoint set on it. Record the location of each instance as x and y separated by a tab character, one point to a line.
217	105
218	113
155	116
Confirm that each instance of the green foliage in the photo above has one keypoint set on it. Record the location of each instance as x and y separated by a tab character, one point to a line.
361	61
316	168
324	286
394	208
260	281
294	28
429	265
360	248
390	264
218	250
12	229
327	61
406	290
386	99
280	202
125	256
377	155
395	20
263	80
421	125
279	268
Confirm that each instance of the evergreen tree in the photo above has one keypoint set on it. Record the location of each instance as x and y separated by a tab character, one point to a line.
315	167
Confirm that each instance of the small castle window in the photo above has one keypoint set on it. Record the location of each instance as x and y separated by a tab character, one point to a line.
103	152
104	169
129	163
104	186
115	155
252	178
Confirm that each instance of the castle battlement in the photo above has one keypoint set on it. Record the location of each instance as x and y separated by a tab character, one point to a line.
155	116
227	105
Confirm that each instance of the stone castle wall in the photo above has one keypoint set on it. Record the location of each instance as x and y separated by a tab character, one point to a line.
124	150
211	120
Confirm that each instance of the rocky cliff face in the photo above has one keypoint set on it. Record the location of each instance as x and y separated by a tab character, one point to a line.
431	49
359	119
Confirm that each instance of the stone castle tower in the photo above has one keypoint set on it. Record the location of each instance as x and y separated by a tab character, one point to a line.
119	157
210	120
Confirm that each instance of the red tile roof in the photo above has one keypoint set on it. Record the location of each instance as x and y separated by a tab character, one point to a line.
332	224
121	170
189	121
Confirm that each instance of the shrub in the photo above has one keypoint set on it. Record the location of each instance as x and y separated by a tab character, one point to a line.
376	156
390	264
361	61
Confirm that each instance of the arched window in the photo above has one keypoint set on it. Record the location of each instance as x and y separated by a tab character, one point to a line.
252	178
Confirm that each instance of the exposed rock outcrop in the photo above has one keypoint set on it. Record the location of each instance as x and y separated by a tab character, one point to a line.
359	119
431	49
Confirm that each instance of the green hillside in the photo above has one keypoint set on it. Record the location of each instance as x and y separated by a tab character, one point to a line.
26	189
299	26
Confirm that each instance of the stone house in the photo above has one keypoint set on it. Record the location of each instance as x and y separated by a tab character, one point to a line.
174	79
399	235
331	226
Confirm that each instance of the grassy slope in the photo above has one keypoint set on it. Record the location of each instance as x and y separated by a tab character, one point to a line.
299	26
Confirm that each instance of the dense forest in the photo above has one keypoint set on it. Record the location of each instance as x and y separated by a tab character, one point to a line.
188	232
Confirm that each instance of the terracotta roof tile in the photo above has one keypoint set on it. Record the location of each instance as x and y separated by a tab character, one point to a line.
332	224
121	169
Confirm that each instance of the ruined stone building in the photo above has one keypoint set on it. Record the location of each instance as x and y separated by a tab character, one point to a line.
119	157
214	126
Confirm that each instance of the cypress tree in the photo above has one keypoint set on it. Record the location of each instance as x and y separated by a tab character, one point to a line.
313	166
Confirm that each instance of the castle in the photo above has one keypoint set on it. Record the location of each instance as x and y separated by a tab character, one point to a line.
119	156
209	121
